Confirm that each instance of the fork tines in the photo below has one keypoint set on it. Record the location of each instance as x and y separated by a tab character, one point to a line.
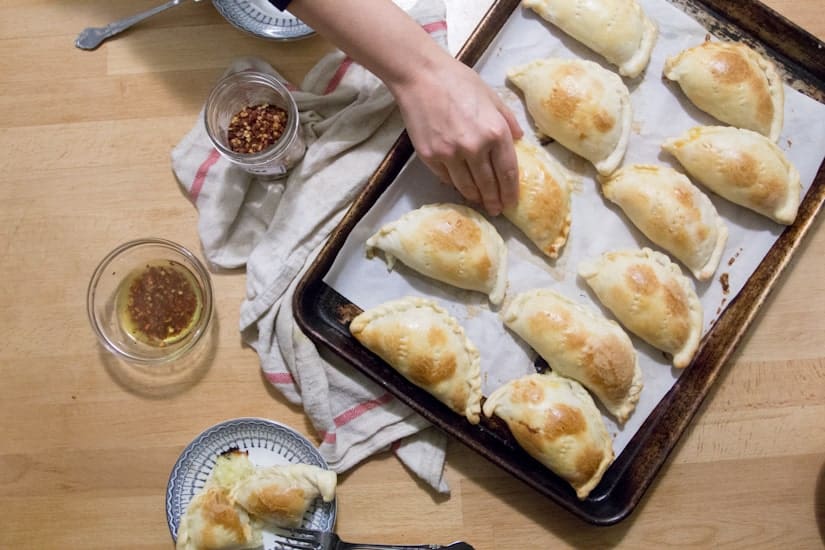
298	539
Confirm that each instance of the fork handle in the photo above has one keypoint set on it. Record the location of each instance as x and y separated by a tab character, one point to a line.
92	37
453	546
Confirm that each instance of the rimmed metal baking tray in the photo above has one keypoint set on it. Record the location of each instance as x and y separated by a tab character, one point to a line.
324	314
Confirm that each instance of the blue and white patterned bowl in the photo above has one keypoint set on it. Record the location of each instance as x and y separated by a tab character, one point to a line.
267	442
262	19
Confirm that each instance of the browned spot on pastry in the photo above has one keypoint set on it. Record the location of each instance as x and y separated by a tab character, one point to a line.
731	66
611	366
548	321
562	420
602	121
455	233
219	513
587	464
685	198
543	205
641	279
740	168
436	337
527	391
562	103
428	370
275	502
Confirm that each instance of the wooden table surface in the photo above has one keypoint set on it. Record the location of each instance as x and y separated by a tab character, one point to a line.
86	452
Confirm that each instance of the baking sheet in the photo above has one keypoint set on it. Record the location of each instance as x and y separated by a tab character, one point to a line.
660	111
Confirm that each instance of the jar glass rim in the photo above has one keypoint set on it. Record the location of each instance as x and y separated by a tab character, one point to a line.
251	76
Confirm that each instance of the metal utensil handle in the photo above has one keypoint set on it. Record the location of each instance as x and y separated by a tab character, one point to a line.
354	546
92	37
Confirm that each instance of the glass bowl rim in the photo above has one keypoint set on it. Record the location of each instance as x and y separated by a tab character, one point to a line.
200	328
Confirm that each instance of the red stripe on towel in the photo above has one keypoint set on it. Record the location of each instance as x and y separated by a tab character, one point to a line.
200	175
435	26
279	377
358	410
338	76
353	413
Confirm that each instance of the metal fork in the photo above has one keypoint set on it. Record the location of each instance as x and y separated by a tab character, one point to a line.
309	539
92	37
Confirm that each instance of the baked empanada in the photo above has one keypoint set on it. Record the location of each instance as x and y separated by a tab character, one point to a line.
580	343
583	106
651	297
618	30
213	520
543	209
742	166
733	83
428	347
281	495
671	212
451	243
556	422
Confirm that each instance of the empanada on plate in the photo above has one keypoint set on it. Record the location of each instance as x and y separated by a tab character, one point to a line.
213	520
543	209
280	495
556	422
671	212
428	347
448	242
650	297
583	106
580	343
618	30
733	83
742	166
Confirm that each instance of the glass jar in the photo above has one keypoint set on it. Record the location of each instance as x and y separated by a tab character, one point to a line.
250	88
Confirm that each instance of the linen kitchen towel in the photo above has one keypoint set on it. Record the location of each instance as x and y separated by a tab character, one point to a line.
275	229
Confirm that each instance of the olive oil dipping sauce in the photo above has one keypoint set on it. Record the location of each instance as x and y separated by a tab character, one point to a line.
160	303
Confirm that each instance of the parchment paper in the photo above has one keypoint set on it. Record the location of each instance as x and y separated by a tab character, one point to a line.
660	111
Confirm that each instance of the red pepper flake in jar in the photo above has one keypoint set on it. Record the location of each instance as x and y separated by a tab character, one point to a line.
256	128
159	303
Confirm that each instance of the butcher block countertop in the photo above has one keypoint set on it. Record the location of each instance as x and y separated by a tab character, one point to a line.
85	139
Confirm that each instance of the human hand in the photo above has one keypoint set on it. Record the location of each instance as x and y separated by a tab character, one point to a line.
463	132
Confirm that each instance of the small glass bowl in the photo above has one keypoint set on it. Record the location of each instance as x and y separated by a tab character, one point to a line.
106	292
246	89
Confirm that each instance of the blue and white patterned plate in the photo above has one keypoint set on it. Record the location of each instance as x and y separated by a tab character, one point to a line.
262	19
267	442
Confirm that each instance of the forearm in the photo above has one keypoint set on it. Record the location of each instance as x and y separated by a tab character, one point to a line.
378	35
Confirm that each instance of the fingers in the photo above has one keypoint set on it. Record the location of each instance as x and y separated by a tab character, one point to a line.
505	164
515	129
487	182
462	179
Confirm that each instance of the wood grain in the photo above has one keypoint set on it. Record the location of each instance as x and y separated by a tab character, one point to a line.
87	445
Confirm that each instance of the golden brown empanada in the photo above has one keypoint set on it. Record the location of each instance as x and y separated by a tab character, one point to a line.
543	209
651	297
733	83
451	243
742	166
428	346
671	212
580	343
618	30
583	106
556	422
212	520
281	495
